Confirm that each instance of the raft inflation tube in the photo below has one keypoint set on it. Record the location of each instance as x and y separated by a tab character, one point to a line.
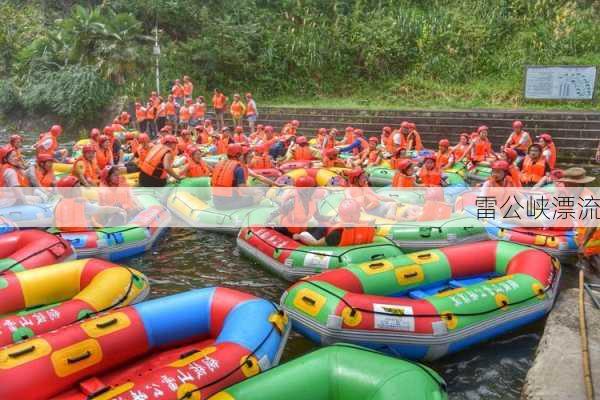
117	243
40	300
341	372
187	346
29	215
427	304
28	249
292	260
7	226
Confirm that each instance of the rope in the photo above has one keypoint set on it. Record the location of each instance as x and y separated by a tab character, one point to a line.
479	313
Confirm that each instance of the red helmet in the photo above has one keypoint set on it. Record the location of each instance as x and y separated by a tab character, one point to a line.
234	150
374	139
41	158
429	157
546	137
102	139
169	139
517	124
482	128
14	138
166	128
143	138
260	149
124	113
511	154
349	210
349	129
191	149
444	143
94	133
305	181
239	129
108	131
387	129
56	130
67	181
359	132
405	124
412	125
88	148
500	164
403	164
331	153
199	127
295	123
269	129
185	132
301	140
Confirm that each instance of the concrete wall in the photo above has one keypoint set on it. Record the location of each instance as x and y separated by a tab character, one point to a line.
575	133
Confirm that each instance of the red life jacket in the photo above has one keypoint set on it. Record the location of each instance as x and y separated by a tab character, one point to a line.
353	235
223	177
300	214
532	172
152	164
401	180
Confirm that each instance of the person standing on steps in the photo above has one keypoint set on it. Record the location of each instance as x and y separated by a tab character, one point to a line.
237	110
219	102
251	111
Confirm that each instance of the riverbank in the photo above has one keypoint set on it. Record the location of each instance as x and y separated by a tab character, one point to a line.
557	370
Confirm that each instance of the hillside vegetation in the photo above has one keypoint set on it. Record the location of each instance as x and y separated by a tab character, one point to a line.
73	58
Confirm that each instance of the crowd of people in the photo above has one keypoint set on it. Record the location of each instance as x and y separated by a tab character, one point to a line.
174	136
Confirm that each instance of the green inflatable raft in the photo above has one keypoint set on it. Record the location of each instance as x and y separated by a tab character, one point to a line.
341	372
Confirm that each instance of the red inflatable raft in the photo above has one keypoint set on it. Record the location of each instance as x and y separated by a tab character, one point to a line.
28	249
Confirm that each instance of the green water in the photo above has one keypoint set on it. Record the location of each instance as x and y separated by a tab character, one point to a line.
186	259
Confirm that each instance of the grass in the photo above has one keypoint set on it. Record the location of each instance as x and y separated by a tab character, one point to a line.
433	95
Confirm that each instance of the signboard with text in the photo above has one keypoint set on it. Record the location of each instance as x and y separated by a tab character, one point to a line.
560	82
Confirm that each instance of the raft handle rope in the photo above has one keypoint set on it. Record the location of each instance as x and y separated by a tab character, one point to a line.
247	363
445	316
47	248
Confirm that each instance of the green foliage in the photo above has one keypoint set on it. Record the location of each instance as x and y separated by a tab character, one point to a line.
9	97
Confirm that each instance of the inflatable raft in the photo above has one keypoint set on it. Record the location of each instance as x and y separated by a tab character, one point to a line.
29	215
196	212
323	176
43	299
427	304
341	372
7	226
117	243
28	249
185	346
292	260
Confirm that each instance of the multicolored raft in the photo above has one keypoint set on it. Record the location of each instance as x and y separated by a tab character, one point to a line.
186	346
292	260
341	372
427	304
28	249
117	243
43	299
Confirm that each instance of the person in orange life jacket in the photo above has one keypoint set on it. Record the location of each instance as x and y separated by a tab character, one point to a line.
224	140
533	167
358	145
115	191
371	155
104	154
519	140
116	146
297	208
397	157
481	150
171	110
348	137
500	176
16	142
548	149
74	213
387	140
202	137
257	135
413	139
208	127
177	92
198	111
41	174
116	126
251	111
94	136
230	174
140	117
195	165
48	142
85	168
161	113
291	128
331	159
125	119
510	156
12	173
400	136
151	119
184	141
158	164
239	137
261	158
404	176
429	175
348	232
462	151
301	151
188	87
142	148
219	102
321	137
185	114
444	158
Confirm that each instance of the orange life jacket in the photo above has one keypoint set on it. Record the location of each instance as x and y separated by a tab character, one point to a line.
388	142
349	138
218	101
182	145
481	150
170	109
45	179
417	144
459	150
119	196
516	138
532	172
441	159
592	246
223	177
302	153
515	175
161	110
261	162
152	164
177	91
552	161
373	156
199	111
53	147
124	119
507	182
300	214
90	169
142	152
250	108
222	144
353	235
184	114
69	215
140	114
363	145
430	177
21	178
195	169
236	109
104	157
401	180
151	113
188	88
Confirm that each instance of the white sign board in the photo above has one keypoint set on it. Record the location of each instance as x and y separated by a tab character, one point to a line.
560	83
